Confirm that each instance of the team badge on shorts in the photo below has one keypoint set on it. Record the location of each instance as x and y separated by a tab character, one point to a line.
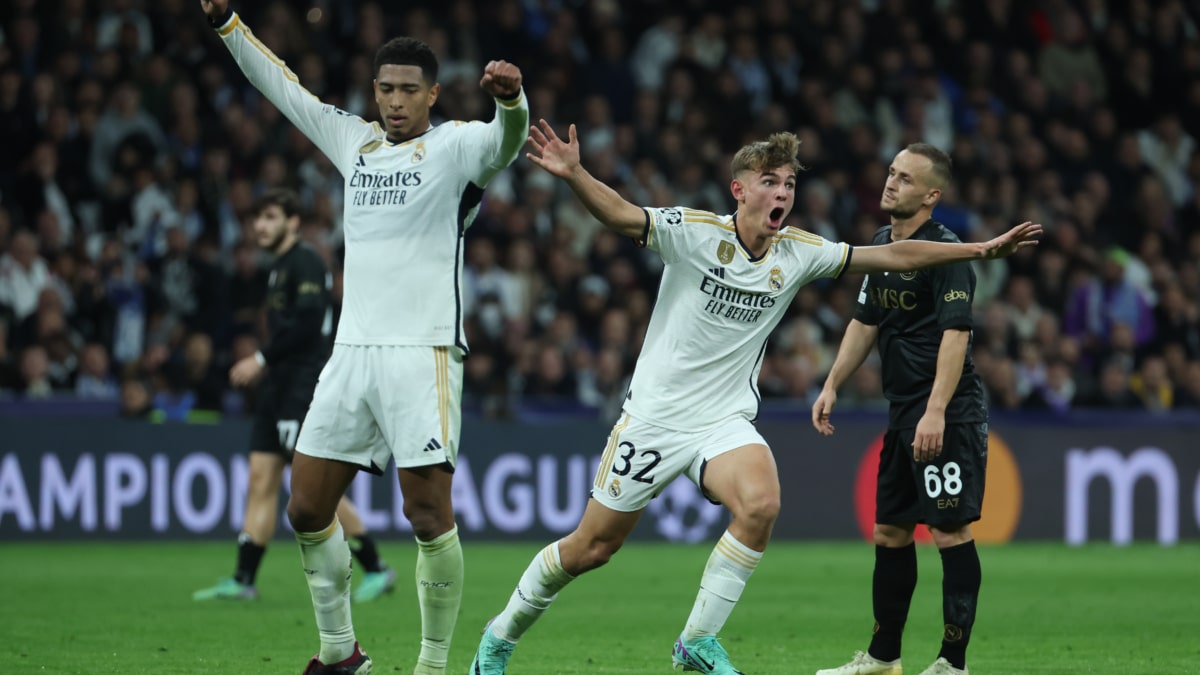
725	253
776	281
614	488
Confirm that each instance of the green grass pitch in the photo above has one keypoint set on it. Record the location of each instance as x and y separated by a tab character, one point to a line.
1045	608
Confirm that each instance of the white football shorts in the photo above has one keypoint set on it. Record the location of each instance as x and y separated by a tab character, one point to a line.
378	402
641	458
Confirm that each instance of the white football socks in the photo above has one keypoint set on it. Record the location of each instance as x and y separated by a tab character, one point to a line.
439	593
725	576
326	560
538	587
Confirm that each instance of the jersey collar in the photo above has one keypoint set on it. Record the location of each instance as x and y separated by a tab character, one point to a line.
746	249
406	141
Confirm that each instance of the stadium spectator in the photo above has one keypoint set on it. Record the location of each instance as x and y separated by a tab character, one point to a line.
35	373
23	275
95	381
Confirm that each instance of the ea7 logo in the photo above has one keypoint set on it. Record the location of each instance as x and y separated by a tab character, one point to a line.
956	295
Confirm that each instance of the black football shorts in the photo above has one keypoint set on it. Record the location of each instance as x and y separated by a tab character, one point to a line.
946	492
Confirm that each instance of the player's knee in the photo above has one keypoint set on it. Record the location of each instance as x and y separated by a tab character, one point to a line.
304	516
760	510
893	536
945	536
598	553
428	521
262	488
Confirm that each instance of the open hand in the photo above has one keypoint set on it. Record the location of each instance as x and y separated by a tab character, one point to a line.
1025	234
501	79
215	9
550	152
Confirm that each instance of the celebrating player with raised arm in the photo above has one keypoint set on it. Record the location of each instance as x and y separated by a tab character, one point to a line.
392	387
691	406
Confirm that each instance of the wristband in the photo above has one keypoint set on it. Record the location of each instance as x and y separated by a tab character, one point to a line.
223	19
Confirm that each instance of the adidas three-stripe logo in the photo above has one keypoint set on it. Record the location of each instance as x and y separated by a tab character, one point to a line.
718	272
432	445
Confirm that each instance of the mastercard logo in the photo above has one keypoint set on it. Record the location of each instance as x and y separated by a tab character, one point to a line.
1001	497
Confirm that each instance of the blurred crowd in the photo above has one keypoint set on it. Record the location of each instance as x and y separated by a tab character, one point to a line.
134	149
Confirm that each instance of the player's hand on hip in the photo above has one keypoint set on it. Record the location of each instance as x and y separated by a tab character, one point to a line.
1023	235
821	411
501	79
550	152
215	9
927	443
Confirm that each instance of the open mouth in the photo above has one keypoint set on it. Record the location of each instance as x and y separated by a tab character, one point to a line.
775	217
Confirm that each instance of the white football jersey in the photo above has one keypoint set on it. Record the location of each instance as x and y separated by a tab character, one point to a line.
407	205
716	307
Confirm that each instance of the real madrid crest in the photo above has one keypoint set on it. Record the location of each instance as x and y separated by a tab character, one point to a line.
725	253
614	488
419	152
776	280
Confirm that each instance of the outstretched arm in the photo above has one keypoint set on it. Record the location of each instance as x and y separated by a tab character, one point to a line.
906	256
562	160
330	129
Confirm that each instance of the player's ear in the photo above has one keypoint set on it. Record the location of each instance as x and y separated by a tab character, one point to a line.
433	93
933	197
738	189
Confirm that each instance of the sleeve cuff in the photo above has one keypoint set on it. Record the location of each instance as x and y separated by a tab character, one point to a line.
511	102
846	261
645	239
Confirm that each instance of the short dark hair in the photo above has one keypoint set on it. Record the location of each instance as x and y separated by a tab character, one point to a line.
942	166
284	198
408	51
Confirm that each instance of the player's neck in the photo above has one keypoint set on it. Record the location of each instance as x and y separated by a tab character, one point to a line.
399	138
757	241
285	246
903	228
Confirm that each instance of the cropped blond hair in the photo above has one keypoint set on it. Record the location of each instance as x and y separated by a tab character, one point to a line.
760	156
